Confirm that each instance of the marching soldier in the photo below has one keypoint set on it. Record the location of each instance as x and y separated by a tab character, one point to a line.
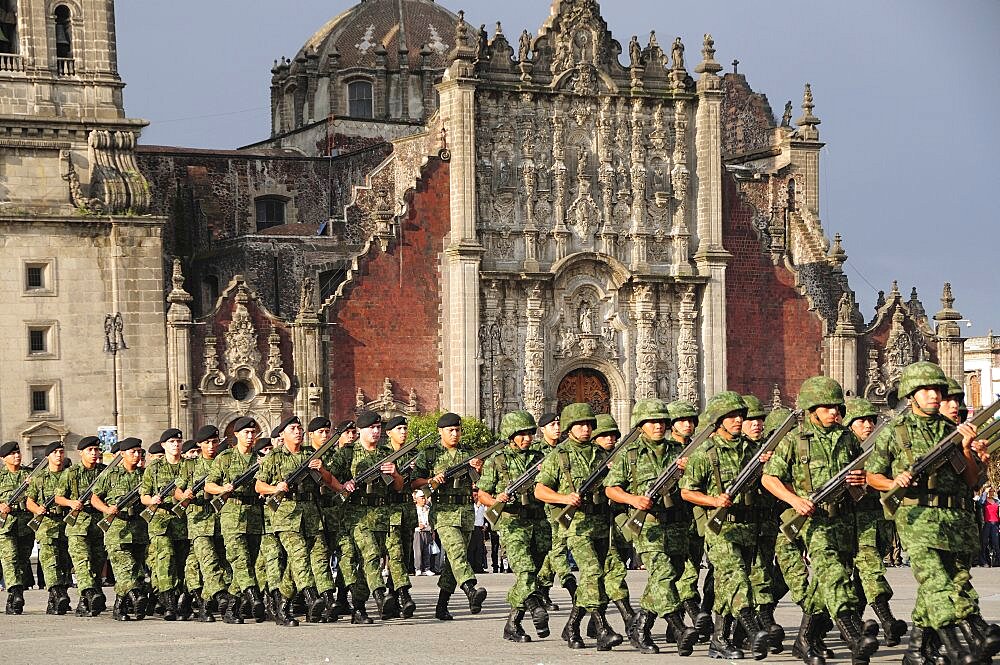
453	515
935	522
953	402
126	539
523	525
53	551
803	462
347	559
402	521
85	541
662	545
709	472
16	538
587	536
318	432
557	560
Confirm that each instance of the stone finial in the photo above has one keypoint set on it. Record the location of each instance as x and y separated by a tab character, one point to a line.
178	294
786	117
499	31
776	398
708	66
464	52
837	254
947	313
880	301
894	294
807	123
915	306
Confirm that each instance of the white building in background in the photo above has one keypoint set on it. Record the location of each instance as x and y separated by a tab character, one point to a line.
982	369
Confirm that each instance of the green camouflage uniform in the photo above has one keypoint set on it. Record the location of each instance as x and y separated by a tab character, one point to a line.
557	560
402	516
16	537
126	540
85	541
241	521
203	530
297	524
168	543
940	541
333	515
523	526
588	534
452	516
53	549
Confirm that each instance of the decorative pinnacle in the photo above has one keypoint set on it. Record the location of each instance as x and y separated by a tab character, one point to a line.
837	253
708	65
461	30
947	313
499	29
808	120
776	397
895	290
178	294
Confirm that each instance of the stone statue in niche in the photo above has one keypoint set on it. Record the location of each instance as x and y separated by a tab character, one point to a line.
586	318
524	47
635	52
504	172
660	178
544	172
677	54
581	47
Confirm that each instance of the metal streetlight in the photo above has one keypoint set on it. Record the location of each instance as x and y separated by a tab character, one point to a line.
114	341
490	339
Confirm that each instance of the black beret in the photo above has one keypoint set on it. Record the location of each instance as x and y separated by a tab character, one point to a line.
547	418
346	425
205	433
367	419
223	446
87	442
290	420
262	443
155	449
172	433
318	423
243	423
393	423
449	420
131	442
115	447
189	445
52	447
8	448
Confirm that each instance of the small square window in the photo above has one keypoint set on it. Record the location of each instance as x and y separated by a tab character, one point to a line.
41	340
44	399
35	277
37	340
39	277
39	401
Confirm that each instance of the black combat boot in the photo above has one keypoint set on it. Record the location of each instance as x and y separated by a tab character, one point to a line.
169	601
475	594
201	609
719	645
956	652
685	637
120	610
441	612
269	610
539	616
138	599
892	628
805	646
543	595
919	651
282	610
701	620
330	599
83	605
824	626
986	635
775	633
406	605
63	602
233	606
591	630
185	603
383	603
253	599
639	633
512	630
315	607
628	614
862	646
359	614
343	606
98	601
757	636
50	607
607	638
571	633
570	585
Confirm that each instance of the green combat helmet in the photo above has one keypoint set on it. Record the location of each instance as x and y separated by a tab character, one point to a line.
859	408
605	425
754	408
721	405
820	391
775	418
516	421
955	391
576	413
680	410
649	409
920	375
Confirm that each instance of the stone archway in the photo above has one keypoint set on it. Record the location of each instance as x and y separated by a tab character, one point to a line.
584	384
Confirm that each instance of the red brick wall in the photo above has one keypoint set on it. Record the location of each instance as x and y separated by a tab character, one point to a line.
772	337
387	323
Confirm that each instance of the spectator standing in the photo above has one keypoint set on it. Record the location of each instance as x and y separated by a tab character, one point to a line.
423	536
477	544
991	528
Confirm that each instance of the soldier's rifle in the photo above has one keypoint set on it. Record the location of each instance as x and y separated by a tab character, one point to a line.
84	498
512	490
369	474
150	511
300	472
239	481
180	509
36	467
664	484
566	515
946	450
464	467
751	473
125	503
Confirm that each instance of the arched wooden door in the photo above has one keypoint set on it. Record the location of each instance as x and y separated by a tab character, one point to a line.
585	385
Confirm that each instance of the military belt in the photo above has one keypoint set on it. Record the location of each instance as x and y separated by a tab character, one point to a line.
453	500
833	509
525	512
670	515
368	501
237	501
929	500
741	515
588	508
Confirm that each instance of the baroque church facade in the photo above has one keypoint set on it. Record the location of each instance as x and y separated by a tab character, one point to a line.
444	218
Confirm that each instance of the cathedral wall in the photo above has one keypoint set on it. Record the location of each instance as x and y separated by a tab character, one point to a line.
772	337
387	323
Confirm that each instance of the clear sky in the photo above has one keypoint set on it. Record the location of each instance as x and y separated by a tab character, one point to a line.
907	91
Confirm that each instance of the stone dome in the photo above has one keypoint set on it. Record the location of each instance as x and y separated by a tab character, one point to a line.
409	26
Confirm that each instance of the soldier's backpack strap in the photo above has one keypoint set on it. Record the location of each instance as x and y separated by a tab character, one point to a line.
566	469
500	462
804	444
713	457
633	462
903	436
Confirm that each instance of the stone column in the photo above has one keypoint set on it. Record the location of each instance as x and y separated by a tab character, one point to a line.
179	321
951	346
842	347
307	356
645	342
534	353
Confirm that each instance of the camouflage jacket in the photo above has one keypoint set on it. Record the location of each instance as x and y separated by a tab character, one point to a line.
564	470
642	462
155	478
299	510
368	504
201	518
17	520
809	456
504	468
243	512
44	487
127	527
75	481
452	501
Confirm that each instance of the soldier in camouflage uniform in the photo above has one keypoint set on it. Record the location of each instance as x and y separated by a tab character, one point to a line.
557	560
523	525
126	539
935	522
806	459
453	515
333	508
296	521
53	550
587	536
662	543
732	551
16	538
85	541
402	521
873	532
953	402
330	507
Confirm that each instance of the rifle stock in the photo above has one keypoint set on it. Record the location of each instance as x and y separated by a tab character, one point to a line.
567	514
275	499
72	517
19	492
494	512
219	501
464	467
368	475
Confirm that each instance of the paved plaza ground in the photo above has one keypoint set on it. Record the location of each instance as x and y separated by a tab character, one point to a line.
36	638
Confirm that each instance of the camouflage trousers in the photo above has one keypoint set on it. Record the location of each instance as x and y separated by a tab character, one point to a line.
590	554
791	575
763	572
687	585
399	549
166	561
526	541
732	552
192	570
457	571
15	558
242	550
615	569
88	556
208	555
350	558
272	566
664	552
307	559
53	555
556	561
831	545
873	544
128	564
371	548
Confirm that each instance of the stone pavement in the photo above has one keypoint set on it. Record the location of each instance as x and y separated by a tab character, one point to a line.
36	638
